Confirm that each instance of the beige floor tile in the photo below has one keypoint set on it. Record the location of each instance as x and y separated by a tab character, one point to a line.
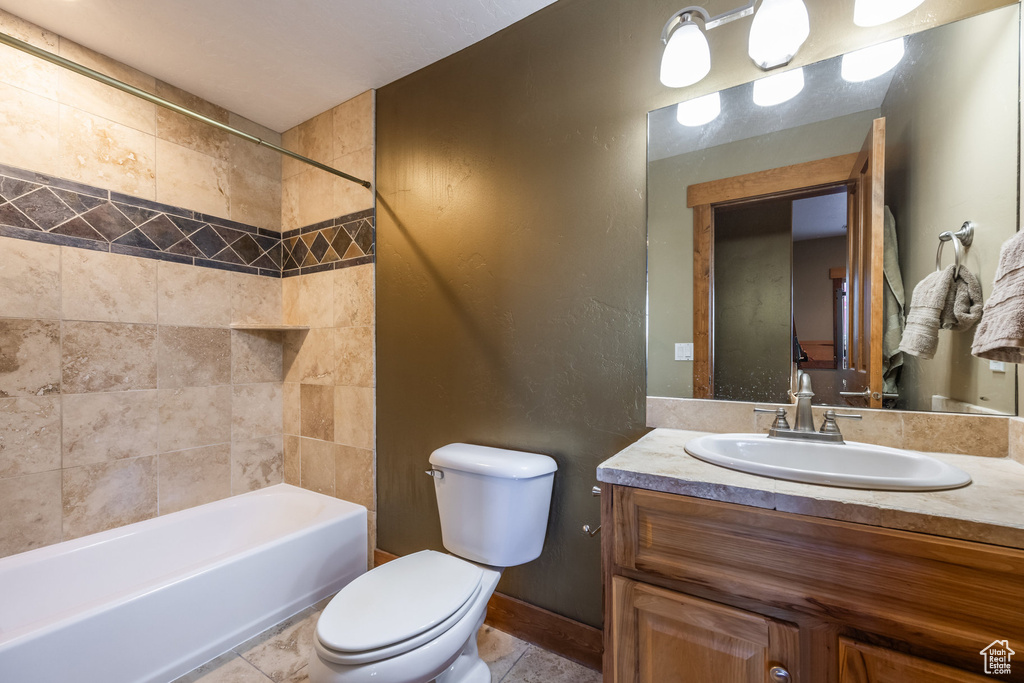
541	666
228	668
283	650
499	650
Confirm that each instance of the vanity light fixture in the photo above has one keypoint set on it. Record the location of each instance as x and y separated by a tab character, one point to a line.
878	12
699	111
872	62
778	88
779	28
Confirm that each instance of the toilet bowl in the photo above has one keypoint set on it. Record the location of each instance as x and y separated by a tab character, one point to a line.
415	619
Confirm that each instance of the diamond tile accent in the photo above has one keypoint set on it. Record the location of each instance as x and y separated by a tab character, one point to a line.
73	214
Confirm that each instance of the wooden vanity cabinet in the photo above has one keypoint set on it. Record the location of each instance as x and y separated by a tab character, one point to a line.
707	592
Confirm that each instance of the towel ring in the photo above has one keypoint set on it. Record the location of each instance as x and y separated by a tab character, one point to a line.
961	239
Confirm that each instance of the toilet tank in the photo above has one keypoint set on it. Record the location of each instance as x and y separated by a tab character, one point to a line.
493	502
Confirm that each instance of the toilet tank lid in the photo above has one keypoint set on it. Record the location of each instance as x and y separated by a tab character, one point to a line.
492	462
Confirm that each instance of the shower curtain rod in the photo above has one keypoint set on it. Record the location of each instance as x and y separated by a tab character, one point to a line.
149	97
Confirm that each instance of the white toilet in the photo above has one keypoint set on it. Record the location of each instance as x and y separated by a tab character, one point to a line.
415	619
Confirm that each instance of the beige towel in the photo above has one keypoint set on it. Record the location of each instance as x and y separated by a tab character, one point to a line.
963	303
1000	335
921	337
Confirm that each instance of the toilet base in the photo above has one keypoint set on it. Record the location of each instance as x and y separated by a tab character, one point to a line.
468	667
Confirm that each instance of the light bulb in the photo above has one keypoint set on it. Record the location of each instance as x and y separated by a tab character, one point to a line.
778	88
877	12
872	62
687	57
699	111
779	28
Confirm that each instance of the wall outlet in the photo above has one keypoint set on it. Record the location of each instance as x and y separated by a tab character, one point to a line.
997	366
684	351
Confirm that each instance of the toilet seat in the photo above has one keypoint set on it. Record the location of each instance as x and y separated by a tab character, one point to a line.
397	607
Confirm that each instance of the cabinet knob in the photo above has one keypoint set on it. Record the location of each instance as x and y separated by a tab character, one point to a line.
777	674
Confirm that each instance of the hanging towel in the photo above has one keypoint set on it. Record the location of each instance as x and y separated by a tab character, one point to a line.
1000	334
921	337
963	303
893	303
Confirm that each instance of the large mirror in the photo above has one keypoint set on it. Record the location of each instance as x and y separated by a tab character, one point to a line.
787	232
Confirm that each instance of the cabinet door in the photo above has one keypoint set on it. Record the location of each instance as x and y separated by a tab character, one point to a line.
859	663
661	636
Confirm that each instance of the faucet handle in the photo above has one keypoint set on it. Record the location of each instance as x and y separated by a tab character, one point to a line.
780	417
829	426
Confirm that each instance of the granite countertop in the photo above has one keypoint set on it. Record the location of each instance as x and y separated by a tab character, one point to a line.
989	510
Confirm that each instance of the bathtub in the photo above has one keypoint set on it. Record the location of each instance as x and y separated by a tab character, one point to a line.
151	601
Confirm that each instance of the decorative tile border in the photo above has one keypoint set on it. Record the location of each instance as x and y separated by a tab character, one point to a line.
336	243
42	208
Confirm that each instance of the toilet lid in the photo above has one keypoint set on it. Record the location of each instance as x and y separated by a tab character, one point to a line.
397	601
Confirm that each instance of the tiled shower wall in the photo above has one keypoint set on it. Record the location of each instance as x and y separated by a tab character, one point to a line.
329	370
125	392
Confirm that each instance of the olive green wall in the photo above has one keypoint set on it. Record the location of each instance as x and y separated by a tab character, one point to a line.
512	249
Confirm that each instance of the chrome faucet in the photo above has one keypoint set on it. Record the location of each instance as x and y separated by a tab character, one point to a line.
803	430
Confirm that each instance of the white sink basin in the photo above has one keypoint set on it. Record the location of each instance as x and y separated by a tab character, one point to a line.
851	465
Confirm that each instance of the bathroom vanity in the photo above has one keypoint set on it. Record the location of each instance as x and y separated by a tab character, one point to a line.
715	576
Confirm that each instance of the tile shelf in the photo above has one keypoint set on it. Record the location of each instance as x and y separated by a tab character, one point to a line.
269	327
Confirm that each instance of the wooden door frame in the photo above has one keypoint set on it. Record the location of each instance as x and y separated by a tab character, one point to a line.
704	198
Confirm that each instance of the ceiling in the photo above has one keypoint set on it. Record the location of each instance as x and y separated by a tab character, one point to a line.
276	62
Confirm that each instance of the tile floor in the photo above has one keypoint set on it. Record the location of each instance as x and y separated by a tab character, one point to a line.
280	654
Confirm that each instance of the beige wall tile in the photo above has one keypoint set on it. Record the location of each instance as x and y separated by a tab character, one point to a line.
354	124
29	357
255	299
316	299
353	471
1016	437
371	537
317	411
253	198
99	286
291	460
100	152
350	197
946	433
192	179
292	408
308	198
193	417
256	463
188	295
256	356
107	495
317	468
257	158
353	296
30	512
102	100
31	125
23	70
353	349
309	357
354	416
29	279
292	311
256	411
194	357
193	477
102	427
698	415
312	138
189	133
29	435
108	357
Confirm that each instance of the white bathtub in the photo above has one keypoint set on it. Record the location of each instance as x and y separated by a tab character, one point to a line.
153	600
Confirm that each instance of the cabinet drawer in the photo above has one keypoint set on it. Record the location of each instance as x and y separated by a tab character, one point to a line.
859	663
947	596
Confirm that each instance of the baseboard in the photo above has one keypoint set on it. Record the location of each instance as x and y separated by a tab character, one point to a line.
553	632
